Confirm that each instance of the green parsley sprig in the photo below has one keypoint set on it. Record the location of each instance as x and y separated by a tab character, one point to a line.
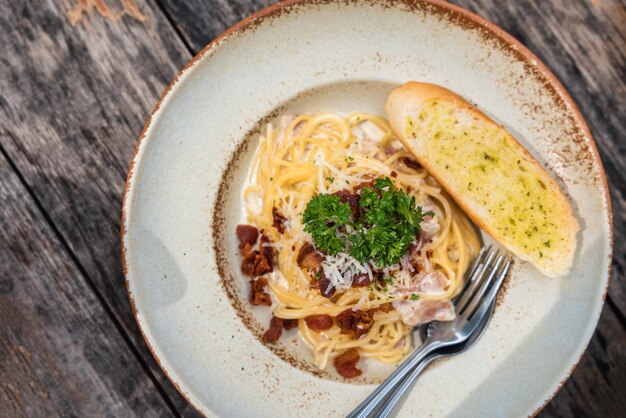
322	218
389	223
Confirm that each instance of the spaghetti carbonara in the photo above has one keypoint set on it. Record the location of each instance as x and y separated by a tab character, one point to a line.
349	239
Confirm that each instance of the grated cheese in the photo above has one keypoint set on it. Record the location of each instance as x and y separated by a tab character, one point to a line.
340	269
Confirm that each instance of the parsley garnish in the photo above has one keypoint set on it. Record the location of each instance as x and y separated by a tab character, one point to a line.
389	223
415	297
323	216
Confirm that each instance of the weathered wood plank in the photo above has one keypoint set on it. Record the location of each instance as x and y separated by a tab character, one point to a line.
59	352
73	100
199	22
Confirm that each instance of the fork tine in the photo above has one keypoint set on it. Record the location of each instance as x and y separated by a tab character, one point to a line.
476	298
479	259
471	276
482	304
475	280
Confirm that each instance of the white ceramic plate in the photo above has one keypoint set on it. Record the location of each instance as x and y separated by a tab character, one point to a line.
182	204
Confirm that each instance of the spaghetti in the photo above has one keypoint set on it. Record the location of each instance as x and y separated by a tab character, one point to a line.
310	155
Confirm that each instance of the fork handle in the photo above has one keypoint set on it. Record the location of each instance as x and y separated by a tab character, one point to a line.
373	401
405	385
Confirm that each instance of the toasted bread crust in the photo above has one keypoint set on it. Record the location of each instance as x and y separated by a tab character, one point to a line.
408	99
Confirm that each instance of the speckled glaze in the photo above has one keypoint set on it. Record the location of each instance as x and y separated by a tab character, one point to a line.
182	202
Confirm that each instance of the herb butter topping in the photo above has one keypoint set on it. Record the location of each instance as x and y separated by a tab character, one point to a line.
493	174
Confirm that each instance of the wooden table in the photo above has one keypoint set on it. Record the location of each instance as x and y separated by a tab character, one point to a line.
75	90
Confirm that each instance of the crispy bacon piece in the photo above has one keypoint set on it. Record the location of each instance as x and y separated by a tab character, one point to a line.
247	236
255	264
258	295
361	280
367	183
275	330
309	257
245	250
326	287
351	199
267	250
354	322
346	362
290	323
314	283
318	323
411	163
279	221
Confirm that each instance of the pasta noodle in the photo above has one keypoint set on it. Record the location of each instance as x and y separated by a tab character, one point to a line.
326	153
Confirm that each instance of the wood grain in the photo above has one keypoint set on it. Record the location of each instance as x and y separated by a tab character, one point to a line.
59	352
73	100
199	22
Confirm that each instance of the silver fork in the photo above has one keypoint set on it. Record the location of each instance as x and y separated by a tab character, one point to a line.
472	306
395	396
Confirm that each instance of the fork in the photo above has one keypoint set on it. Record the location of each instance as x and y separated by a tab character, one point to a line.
472	306
395	396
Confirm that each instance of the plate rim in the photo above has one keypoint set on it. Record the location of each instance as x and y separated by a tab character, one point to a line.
493	31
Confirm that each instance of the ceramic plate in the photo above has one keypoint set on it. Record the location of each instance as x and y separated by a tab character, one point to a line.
183	201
